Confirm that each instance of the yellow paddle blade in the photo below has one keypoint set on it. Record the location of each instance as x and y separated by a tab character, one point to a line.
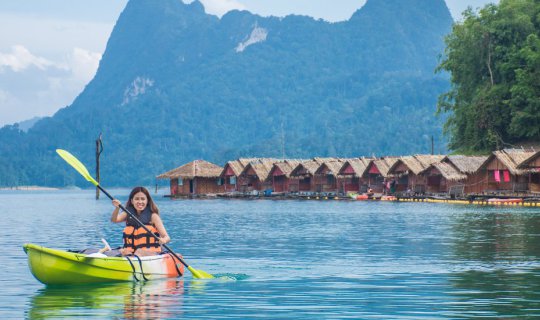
77	165
199	274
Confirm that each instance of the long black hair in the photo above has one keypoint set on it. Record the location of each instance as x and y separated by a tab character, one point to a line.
150	203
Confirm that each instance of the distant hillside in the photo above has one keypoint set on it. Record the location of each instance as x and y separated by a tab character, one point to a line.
27	124
176	84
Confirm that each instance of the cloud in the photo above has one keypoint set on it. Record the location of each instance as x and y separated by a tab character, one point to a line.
36	86
220	7
84	64
20	59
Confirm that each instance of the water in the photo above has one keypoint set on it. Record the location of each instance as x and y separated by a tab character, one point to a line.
287	259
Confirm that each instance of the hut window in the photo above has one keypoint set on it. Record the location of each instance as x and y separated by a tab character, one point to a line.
232	180
330	179
180	182
219	181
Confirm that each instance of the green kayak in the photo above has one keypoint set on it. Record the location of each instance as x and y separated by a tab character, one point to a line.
58	267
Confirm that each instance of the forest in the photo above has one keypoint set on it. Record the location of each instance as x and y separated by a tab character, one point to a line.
493	57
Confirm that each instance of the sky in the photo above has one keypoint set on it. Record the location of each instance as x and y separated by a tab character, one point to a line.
50	49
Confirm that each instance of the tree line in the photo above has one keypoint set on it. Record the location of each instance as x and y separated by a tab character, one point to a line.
493	57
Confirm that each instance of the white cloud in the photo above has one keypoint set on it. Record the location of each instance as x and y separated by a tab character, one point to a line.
220	7
84	64
20	59
37	86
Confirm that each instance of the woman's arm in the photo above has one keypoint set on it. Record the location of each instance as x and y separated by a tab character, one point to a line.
163	236
117	217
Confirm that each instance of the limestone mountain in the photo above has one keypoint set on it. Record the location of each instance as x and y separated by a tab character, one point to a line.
176	84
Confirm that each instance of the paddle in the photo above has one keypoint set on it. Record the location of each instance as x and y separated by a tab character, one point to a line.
77	165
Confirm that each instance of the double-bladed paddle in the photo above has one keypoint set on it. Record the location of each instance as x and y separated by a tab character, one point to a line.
77	165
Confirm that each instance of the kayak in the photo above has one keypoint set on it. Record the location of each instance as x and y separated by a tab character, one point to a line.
362	197
58	267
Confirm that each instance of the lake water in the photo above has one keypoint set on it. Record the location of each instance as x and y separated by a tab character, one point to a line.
291	259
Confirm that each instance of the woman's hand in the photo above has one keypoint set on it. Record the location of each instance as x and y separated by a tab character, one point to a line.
164	240
116	203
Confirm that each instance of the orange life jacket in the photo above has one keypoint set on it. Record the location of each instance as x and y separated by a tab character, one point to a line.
135	237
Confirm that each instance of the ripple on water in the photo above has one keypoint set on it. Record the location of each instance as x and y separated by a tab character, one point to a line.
287	259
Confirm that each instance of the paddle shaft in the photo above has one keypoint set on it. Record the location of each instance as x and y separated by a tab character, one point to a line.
143	226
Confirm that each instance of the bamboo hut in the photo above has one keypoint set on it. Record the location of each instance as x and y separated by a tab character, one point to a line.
304	174
255	176
281	175
501	172
441	176
195	178
350	176
533	163
232	171
469	166
377	172
407	171
325	177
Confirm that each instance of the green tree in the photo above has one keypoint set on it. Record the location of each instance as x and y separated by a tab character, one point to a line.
493	57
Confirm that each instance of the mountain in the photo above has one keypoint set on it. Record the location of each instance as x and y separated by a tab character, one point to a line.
27	124
176	84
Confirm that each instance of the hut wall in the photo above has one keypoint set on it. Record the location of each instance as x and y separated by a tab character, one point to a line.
207	185
304	184
534	182
475	183
325	183
250	183
280	184
374	181
294	185
492	183
265	185
349	184
185	187
535	163
435	183
174	186
198	185
228	185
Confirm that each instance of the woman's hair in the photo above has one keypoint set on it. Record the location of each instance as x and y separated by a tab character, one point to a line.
150	203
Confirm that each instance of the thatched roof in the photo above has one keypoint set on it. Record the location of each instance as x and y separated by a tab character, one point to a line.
384	164
310	166
526	162
511	158
428	159
466	164
359	165
448	171
417	163
237	166
261	167
197	168
285	166
333	165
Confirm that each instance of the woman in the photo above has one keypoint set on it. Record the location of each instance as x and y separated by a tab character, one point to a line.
136	239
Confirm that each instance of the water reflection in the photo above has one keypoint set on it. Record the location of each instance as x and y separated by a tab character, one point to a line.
501	293
499	253
148	300
494	236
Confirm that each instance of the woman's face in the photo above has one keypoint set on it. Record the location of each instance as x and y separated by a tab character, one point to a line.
139	201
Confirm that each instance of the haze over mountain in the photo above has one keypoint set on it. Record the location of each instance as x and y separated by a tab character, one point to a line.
176	84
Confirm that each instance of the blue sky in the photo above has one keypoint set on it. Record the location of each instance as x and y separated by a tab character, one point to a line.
50	49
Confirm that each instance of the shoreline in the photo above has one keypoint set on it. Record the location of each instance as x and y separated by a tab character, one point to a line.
28	188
